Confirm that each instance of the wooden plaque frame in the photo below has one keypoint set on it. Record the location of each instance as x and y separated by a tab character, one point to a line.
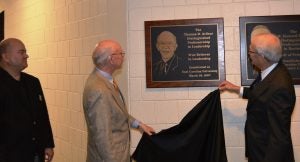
199	53
287	28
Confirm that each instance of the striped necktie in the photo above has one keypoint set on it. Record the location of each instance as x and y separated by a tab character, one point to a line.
116	86
118	90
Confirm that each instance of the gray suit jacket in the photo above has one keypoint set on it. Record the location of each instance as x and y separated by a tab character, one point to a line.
108	121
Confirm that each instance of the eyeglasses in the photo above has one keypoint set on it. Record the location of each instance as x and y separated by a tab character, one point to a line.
120	53
252	52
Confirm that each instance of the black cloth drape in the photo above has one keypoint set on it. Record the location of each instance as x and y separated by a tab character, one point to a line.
199	137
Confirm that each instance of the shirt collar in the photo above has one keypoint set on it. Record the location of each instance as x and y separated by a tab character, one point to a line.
267	71
105	75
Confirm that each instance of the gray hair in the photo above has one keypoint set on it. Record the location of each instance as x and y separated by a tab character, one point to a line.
269	46
101	55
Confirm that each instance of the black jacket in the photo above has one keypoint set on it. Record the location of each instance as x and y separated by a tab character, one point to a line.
24	121
270	106
199	137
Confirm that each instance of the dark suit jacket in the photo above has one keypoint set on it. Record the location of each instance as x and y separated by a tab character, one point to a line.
24	121
270	106
173	71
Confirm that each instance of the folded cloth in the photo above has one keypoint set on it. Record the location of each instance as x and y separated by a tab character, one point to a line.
199	137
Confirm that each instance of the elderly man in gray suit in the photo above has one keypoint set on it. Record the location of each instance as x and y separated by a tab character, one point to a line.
108	121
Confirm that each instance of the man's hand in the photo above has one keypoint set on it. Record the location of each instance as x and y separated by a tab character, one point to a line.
147	129
49	153
227	86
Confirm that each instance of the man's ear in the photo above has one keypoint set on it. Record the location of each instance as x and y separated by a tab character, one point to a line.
110	59
157	46
4	56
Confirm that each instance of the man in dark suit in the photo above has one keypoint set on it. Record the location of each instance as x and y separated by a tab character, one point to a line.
26	134
108	120
271	101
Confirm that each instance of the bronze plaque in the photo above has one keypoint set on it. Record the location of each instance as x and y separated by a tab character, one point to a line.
287	28
184	53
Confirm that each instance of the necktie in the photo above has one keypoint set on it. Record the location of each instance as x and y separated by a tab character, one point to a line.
116	86
118	90
166	68
257	80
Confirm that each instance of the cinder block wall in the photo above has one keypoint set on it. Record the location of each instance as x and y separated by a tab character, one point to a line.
60	36
165	107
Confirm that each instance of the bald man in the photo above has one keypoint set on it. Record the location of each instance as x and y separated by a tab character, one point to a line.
271	100
108	121
26	134
170	66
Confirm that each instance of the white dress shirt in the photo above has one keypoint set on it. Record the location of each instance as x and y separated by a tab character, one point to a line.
264	74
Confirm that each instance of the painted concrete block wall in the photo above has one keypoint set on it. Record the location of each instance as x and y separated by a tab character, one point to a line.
165	107
60	36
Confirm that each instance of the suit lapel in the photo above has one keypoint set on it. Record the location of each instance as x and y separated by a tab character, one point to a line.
264	85
260	89
117	96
